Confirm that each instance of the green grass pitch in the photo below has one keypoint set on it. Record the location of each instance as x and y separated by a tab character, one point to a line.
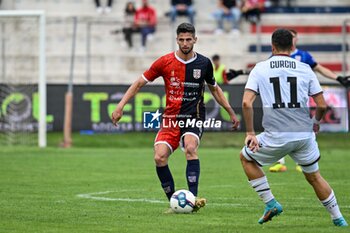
108	183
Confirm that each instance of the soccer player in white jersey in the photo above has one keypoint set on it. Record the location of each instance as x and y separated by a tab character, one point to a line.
284	85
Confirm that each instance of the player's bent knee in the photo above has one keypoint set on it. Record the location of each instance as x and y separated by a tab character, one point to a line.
161	159
191	150
161	156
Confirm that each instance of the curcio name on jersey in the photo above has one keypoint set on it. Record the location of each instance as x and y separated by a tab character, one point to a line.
282	64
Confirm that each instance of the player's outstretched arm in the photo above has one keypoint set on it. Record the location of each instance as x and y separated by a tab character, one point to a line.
219	96
343	80
131	92
248	114
325	71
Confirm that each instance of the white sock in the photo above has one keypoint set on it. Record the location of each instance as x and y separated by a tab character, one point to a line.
261	186
332	206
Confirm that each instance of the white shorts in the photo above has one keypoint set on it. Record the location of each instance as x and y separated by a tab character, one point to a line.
304	152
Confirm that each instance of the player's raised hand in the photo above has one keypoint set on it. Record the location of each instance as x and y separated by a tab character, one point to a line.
252	142
231	74
235	122
116	115
344	80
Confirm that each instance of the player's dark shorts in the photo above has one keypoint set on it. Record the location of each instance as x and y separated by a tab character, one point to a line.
174	136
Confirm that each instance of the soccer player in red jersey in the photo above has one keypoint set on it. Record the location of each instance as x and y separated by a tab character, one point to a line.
184	73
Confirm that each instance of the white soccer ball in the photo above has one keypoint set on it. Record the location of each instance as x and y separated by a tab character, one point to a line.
182	201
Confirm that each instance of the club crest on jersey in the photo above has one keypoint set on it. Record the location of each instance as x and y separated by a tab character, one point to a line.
196	73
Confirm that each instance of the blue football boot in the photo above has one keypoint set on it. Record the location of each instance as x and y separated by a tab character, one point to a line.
340	222
272	209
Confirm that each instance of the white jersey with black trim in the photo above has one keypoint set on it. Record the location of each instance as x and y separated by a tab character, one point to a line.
284	85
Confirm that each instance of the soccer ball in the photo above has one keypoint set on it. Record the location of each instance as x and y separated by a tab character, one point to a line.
182	201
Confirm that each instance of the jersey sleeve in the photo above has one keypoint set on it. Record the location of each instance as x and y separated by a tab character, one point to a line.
314	85
252	83
209	77
310	60
154	71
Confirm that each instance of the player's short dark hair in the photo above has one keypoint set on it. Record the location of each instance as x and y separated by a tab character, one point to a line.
282	39
215	57
186	27
293	32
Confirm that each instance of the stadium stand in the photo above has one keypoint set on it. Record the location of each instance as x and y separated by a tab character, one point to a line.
305	29
329	47
110	62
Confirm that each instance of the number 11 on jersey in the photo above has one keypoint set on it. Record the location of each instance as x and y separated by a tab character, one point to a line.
277	93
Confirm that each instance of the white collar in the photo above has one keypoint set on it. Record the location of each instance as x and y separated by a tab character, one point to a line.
188	61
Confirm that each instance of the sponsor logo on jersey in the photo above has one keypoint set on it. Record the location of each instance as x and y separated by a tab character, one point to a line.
175	82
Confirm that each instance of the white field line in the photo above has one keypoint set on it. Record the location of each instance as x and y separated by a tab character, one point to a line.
146	200
94	196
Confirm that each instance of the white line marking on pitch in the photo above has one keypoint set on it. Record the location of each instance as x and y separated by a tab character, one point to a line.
156	201
153	201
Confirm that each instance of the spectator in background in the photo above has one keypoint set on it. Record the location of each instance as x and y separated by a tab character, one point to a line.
100	9
146	20
129	26
227	9
184	7
219	70
252	9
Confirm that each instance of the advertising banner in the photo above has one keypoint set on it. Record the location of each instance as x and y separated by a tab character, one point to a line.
94	104
336	118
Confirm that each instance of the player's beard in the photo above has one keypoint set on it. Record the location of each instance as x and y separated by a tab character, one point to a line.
186	52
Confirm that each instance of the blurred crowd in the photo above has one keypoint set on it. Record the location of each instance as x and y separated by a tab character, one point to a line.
227	15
